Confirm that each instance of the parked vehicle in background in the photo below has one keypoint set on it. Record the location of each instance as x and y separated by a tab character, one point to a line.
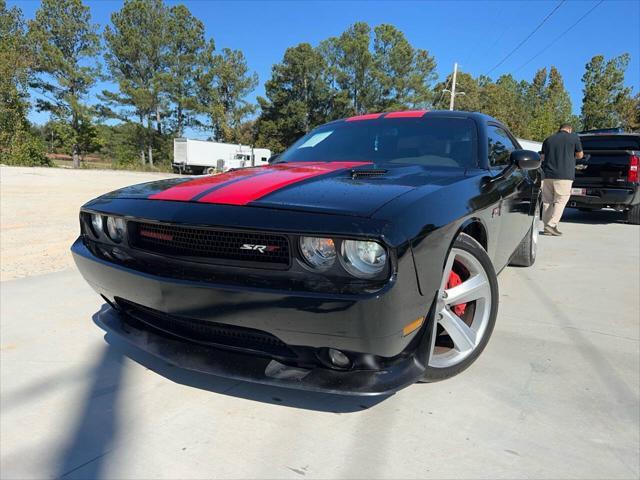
608	175
530	145
201	156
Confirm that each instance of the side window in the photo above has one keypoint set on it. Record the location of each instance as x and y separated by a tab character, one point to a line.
500	146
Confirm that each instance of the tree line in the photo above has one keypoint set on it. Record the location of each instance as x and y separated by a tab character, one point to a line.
168	77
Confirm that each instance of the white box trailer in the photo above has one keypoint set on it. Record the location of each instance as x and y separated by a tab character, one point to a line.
530	144
201	156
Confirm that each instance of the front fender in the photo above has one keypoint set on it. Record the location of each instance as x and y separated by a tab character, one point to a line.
432	221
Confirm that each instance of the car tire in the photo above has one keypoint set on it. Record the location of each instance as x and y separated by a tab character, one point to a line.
525	254
454	346
633	215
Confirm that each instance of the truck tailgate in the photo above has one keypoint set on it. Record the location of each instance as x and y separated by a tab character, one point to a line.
605	168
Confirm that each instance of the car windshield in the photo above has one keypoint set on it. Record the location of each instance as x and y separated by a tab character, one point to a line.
427	141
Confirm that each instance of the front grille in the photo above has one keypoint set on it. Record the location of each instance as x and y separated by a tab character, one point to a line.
207	333
216	246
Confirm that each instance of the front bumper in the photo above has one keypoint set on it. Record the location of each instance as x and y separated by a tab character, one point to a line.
240	366
367	324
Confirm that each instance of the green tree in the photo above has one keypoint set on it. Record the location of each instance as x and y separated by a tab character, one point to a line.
504	100
223	91
187	50
137	60
468	93
558	100
298	98
540	118
18	146
65	44
403	74
547	104
630	113
351	67
605	99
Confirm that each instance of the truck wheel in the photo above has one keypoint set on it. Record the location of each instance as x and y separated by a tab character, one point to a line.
633	215
210	170
525	254
465	310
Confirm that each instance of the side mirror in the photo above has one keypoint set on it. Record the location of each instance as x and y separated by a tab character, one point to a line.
273	158
525	159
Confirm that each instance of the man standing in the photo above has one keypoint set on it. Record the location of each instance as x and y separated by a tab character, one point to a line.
559	154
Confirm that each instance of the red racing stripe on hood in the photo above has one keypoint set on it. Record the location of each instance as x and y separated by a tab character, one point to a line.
191	188
253	188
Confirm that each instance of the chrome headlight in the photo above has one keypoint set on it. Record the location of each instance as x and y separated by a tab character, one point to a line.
363	259
318	252
116	228
96	223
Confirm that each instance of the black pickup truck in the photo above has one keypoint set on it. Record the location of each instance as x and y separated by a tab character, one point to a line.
608	174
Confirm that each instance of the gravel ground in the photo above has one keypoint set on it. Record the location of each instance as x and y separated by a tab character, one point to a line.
39	213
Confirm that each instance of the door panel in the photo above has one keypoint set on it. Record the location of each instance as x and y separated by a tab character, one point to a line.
515	192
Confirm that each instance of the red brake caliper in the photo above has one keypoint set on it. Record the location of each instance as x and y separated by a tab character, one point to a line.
455	280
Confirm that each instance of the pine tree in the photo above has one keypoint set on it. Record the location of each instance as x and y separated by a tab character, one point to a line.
403	74
137	60
605	96
298	98
17	144
352	67
558	101
64	42
223	91
187	50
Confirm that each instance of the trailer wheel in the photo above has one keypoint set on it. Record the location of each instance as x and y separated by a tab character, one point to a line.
210	170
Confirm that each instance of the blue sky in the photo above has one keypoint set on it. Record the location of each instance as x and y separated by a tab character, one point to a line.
477	34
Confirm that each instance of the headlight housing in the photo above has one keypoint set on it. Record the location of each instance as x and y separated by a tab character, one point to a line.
318	252
363	258
96	224
116	228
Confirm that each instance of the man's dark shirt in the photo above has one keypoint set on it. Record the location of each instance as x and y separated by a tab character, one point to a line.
559	155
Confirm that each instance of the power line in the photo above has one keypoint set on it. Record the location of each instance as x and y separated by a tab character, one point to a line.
527	37
558	37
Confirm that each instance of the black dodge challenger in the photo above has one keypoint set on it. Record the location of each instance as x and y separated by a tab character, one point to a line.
361	260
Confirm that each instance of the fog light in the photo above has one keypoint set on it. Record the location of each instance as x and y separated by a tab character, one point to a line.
338	358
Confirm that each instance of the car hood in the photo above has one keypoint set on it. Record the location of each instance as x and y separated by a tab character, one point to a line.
346	188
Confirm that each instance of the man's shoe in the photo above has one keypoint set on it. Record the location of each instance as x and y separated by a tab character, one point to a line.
553	231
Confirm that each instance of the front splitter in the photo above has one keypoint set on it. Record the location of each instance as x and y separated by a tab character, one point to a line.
251	368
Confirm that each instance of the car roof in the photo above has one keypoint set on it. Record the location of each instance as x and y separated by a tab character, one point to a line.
477	116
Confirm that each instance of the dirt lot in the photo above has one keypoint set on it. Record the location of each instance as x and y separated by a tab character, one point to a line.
39	213
556	394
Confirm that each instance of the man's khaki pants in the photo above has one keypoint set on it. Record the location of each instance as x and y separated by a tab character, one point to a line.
555	195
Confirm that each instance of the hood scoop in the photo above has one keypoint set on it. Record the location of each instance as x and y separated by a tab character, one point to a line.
367	173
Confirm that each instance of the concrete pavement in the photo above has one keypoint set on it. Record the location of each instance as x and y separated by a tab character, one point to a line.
555	394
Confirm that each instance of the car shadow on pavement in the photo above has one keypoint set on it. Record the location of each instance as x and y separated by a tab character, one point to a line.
596	217
91	439
318	401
